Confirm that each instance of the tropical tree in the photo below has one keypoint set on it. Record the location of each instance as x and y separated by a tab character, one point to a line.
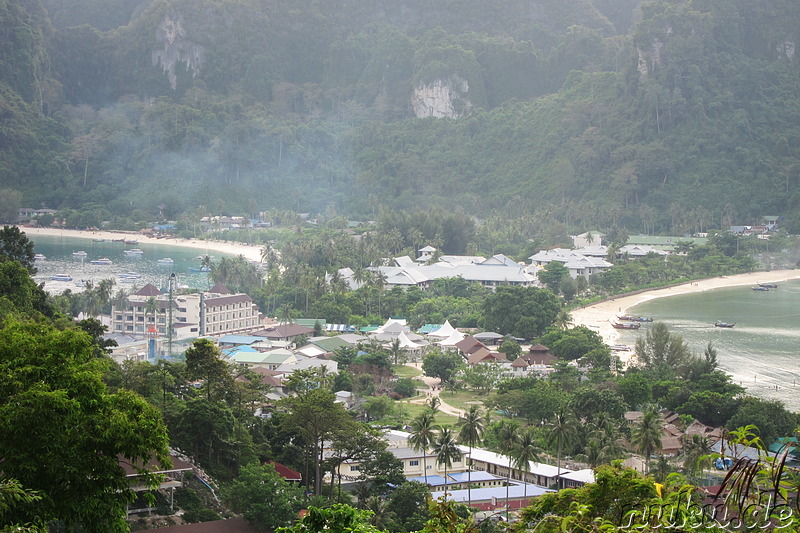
64	432
15	246
562	430
423	433
446	449
696	453
646	435
471	424
508	439
525	451
263	497
150	309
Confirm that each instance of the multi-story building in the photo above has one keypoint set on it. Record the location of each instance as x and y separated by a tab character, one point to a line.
212	313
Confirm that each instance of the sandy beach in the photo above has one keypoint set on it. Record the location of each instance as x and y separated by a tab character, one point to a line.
600	316
250	252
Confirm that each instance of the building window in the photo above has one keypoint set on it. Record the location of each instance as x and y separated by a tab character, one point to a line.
413	462
354	468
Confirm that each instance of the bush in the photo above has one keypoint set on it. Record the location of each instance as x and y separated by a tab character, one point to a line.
201	515
405	387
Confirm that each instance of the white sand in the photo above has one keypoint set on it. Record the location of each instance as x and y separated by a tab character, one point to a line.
600	316
249	251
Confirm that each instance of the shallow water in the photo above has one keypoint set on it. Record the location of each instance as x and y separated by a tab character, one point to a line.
762	351
58	251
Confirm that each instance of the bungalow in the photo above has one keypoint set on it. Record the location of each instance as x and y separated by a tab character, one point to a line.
483	355
284	332
469	345
577	263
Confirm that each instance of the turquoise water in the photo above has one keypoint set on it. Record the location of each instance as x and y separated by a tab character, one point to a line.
762	351
58	251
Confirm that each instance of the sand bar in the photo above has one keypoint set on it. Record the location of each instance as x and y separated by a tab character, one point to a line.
249	251
600	316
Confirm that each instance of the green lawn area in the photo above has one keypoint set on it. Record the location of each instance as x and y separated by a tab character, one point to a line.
404	371
462	399
413	409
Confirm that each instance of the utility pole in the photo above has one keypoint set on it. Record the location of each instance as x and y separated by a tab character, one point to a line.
170	286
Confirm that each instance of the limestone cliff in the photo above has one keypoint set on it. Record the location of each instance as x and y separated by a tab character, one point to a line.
171	34
441	98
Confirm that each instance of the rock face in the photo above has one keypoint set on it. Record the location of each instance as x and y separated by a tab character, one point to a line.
172	35
442	98
649	59
786	48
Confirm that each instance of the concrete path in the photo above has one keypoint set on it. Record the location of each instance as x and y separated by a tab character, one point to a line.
433	391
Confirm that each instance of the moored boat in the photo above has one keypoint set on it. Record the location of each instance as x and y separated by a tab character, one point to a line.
761	288
768	285
200	269
165	261
620	325
133	252
61	277
131	241
79	253
101	261
39	257
720	324
129	275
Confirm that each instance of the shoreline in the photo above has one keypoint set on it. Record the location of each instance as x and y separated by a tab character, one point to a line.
600	316
249	251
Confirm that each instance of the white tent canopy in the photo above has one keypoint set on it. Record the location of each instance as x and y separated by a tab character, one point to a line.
443	332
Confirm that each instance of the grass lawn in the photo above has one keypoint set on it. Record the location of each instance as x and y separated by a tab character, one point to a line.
463	399
404	371
413	409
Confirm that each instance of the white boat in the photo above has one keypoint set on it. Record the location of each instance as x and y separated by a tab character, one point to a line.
102	261
133	251
39	257
61	277
79	253
130	275
165	261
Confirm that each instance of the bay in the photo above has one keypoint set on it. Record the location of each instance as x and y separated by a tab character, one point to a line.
59	250
761	352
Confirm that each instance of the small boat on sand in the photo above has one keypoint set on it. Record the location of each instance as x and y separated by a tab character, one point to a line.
720	324
631	318
621	325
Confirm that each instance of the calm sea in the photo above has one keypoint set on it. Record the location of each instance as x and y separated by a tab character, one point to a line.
60	259
762	351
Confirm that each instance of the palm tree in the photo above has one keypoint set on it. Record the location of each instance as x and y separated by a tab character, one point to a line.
508	437
104	290
524	452
446	449
150	308
696	453
562	431
646	435
423	432
470	433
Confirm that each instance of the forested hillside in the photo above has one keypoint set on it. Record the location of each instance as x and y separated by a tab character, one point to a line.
670	115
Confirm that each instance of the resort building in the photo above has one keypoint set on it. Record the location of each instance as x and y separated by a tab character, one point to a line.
429	266
212	313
